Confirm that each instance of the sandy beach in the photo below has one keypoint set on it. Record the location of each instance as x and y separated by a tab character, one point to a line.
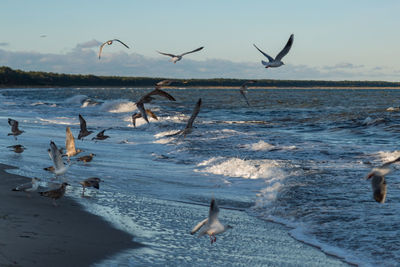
35	233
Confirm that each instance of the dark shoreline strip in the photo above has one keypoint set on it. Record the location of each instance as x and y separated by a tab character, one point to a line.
35	233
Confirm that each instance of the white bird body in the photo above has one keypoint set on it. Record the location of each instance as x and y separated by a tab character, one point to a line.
176	58
211	225
277	61
28	187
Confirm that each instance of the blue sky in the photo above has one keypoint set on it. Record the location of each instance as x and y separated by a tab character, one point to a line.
335	40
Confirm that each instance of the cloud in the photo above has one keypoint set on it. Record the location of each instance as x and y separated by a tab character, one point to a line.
4	44
83	59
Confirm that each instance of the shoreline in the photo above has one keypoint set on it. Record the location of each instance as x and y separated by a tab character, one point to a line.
35	233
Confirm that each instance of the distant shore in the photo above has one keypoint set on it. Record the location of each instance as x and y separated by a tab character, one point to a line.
35	233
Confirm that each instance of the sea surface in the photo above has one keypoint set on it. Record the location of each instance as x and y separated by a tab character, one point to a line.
297	157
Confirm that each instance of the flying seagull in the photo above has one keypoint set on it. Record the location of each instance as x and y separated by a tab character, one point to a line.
378	183
163	83
211	226
83	132
175	58
273	63
55	154
70	144
139	115
101	136
87	158
90	182
55	193
147	98
14	128
28	187
109	42
189	125
243	90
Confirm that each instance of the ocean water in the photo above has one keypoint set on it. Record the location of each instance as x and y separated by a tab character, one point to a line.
295	157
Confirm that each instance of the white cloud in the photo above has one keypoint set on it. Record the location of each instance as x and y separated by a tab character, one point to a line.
83	60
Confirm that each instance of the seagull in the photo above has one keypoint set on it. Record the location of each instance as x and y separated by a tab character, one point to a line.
87	158
378	183
49	169
243	90
14	128
147	98
55	193
28	187
100	136
70	144
211	226
90	182
189	125
273	63
163	83
139	115
109	42
17	148
83	132
55	154
175	58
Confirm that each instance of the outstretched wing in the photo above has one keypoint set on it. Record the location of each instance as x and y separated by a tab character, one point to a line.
286	49
101	134
265	54
195	112
142	111
13	124
82	123
101	48
56	156
121	42
197	49
166	54
214	211
151	114
69	141
198	226
155	92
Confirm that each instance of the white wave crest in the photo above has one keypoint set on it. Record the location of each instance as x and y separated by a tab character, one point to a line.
118	106
264	146
76	99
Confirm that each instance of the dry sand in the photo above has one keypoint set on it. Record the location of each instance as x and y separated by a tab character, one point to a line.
35	233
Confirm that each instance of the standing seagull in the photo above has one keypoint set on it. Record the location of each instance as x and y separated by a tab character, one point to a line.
83	132
55	193
14	128
70	144
189	125
147	98
109	42
28	187
273	63
243	90
211	226
378	182
90	182
55	154
175	58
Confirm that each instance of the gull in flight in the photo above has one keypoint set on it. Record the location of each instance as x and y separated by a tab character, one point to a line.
378	183
243	90
175	58
147	98
211	225
28	187
189	125
83	132
273	63
101	136
139	115
109	42
58	163
163	83
70	144
14	128
90	182
87	158
55	193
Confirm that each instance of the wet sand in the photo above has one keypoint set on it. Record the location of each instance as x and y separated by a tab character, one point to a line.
35	233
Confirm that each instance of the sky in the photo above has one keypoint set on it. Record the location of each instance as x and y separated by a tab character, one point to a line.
333	40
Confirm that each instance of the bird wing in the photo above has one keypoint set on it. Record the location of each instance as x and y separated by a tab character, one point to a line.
121	43
69	141
195	112
243	93
56	156
134	117
82	123
214	210
140	107
151	114
101	134
155	92
23	187
286	49
198	226
197	49
101	48
13	124
265	54
166	54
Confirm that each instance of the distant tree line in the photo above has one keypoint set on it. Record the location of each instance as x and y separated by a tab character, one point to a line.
13	78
